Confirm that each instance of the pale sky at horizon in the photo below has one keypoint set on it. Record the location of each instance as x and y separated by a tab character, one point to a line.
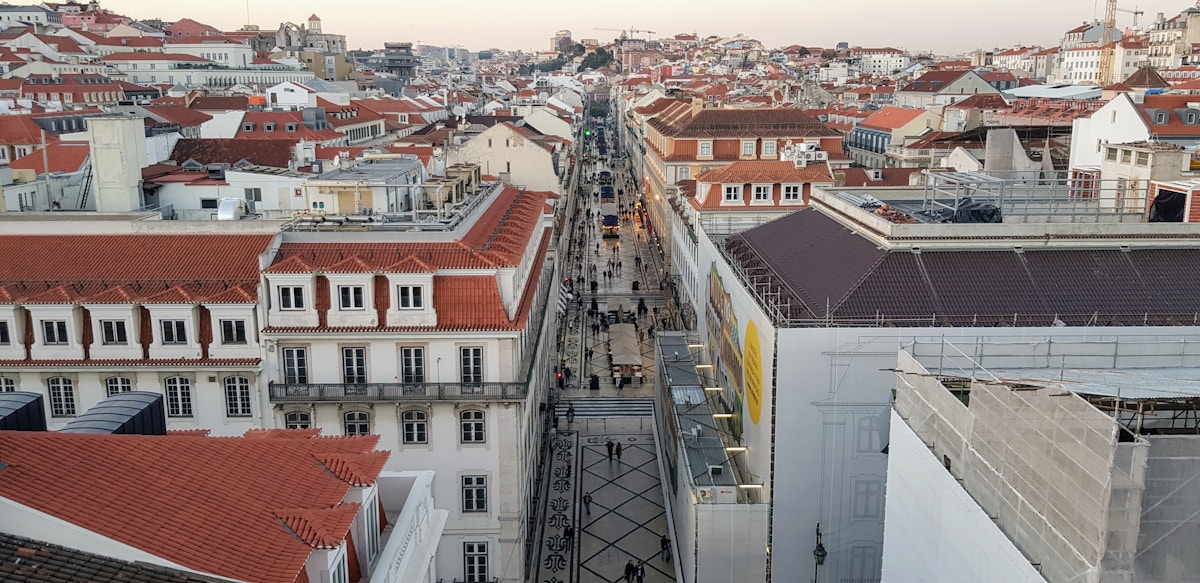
942	26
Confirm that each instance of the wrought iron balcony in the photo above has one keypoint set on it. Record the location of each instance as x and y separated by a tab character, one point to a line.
392	392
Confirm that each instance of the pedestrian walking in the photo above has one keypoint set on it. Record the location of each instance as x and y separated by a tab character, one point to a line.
609	445
587	503
569	535
640	573
596	329
618	453
665	545
630	569
570	414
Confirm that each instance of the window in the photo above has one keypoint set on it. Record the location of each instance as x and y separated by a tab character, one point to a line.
173	331
7	385
685	173
179	397
291	298
864	562
412	364
868	495
416	428
1143	158
295	365
791	192
733	193
237	397
475	562
706	148
768	148
113	332
1111	154
62	396
410	297
233	332
297	420
354	365
471	364
4	337
747	148
472	426
54	332
1126	156
208	203
762	192
474	493
350	297
357	423
255	194
117	385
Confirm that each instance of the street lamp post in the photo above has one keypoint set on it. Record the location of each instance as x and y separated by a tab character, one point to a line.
819	554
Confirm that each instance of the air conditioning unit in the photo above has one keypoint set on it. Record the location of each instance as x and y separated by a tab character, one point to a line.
704	495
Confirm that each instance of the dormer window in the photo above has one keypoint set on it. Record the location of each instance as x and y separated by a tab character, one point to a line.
269	126
706	149
291	127
248	127
410	297
1191	118
748	149
762	193
733	193
350	297
1160	118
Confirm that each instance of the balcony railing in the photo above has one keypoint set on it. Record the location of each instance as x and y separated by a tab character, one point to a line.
390	392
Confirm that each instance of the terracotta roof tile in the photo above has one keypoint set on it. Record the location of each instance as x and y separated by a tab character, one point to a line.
63	157
320	528
891	118
140	362
209	504
356	469
770	172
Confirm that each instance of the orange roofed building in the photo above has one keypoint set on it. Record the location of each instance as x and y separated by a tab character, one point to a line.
685	140
319	508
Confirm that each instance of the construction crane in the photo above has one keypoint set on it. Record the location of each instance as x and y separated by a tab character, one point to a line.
1104	75
1135	12
631	30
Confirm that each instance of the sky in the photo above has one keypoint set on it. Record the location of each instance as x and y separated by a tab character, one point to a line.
941	26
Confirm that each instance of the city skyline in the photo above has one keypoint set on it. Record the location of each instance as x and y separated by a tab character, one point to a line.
476	28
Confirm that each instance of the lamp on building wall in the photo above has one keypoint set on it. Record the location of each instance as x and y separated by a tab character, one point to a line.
819	554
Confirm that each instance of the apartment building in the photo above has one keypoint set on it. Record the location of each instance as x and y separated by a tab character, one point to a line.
685	140
803	316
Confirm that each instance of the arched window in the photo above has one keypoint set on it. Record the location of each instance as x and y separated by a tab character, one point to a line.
416	427
357	423
62	396
237	397
7	385
179	396
472	426
297	420
117	385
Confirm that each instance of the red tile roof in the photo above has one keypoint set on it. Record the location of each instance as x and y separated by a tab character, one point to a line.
276	153
63	157
87	268
678	122
766	172
891	118
221	103
177	114
933	81
231	507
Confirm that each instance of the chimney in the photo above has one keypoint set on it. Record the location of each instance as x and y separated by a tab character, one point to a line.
118	154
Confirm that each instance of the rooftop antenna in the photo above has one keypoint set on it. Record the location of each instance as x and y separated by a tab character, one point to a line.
248	23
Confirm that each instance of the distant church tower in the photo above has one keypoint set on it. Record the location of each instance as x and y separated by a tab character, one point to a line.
314	24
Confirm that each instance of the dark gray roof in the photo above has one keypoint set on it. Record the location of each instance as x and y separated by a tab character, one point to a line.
823	270
24	560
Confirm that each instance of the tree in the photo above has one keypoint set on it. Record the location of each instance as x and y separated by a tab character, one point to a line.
600	58
598	109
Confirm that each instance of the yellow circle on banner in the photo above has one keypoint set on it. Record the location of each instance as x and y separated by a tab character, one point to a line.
752	372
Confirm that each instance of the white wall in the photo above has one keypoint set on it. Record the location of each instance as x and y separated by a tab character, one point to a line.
1087	133
499	149
933	530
